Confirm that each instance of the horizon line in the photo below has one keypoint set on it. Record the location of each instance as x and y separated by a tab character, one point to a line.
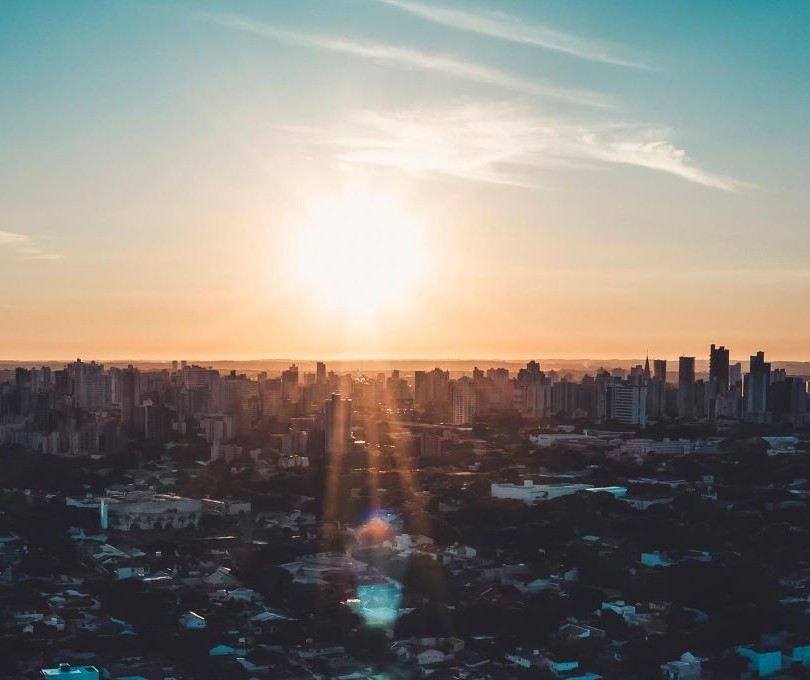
376	359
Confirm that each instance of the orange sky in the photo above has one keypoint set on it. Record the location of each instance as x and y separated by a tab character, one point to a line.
163	183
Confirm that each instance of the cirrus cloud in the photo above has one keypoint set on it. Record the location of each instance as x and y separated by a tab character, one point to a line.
23	246
517	30
502	143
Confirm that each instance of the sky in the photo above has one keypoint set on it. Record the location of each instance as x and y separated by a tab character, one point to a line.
403	178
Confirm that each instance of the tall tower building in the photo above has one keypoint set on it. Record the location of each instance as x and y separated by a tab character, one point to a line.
289	383
129	397
756	390
656	389
719	367
686	387
338	413
735	375
660	370
464	400
320	373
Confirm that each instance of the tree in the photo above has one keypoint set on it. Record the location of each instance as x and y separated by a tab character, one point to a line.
369	643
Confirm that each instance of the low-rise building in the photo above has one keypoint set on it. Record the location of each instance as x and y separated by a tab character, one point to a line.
138	512
687	667
64	671
531	493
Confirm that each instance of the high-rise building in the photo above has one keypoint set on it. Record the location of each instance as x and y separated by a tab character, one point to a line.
532	391
626	402
421	392
756	390
270	392
498	376
24	391
463	400
719	367
735	375
289	383
656	388
686	387
129	398
90	386
564	397
789	401
338	416
320	373
430	386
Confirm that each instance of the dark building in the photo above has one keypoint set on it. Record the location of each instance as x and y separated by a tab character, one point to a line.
756	390
789	401
338	414
719	366
24	392
660	370
686	387
128	396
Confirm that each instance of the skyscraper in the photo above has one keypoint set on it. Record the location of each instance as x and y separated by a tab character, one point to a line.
320	373
289	383
789	401
756	389
656	389
129	397
735	375
660	370
686	387
719	367
338	413
464	400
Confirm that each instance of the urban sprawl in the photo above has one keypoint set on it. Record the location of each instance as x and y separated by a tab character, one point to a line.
187	522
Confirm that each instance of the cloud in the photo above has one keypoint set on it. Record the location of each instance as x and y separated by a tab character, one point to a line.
496	143
407	57
500	143
10	238
514	29
21	244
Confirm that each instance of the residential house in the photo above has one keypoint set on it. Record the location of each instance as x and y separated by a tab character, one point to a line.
687	667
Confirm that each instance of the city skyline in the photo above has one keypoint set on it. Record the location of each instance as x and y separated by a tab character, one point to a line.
404	339
389	178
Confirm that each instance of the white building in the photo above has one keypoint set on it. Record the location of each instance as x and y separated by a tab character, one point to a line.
464	401
217	427
627	403
158	511
545	440
531	493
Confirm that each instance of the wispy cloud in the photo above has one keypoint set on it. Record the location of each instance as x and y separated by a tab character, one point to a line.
10	238
503	144
514	29
497	143
23	246
407	57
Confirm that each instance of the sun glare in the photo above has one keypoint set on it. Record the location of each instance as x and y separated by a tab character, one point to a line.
359	254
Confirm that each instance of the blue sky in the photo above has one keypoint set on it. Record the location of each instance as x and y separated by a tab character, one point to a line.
634	166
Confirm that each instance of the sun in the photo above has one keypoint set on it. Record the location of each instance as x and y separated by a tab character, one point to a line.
359	254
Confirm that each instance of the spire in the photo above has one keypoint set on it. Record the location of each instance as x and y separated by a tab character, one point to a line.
647	375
